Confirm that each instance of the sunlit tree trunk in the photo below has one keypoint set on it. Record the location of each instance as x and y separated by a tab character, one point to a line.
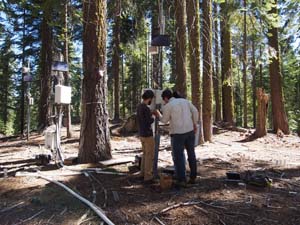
245	111
94	132
194	56
253	71
227	80
22	122
45	76
216	76
180	30
207	70
262	111
116	58
279	116
66	74
155	57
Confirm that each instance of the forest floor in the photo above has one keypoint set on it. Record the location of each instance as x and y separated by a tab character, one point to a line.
125	200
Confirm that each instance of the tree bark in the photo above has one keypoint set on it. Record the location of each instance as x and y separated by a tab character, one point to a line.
207	70
262	111
245	66
66	74
227	80
216	77
94	136
155	57
22	122
279	116
260	64
253	70
194	59
6	74
298	104
46	61
180	30
116	58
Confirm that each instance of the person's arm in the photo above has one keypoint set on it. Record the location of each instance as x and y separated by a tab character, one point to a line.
166	116
195	114
148	116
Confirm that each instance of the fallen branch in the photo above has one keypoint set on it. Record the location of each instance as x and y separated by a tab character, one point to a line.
201	209
238	214
48	221
189	204
103	189
158	220
11	171
213	206
222	222
95	208
11	207
30	218
65	173
88	219
223	143
178	205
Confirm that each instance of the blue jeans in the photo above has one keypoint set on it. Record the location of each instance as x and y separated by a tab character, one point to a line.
179	142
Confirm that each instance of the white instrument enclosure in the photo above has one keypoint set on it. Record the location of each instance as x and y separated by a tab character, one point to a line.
62	94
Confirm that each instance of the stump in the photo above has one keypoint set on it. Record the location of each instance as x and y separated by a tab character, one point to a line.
262	110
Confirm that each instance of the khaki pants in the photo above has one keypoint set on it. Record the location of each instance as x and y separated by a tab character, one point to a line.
148	146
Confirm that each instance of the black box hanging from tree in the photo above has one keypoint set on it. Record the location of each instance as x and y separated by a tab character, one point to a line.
160	40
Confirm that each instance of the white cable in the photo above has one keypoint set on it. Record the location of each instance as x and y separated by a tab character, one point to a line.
95	208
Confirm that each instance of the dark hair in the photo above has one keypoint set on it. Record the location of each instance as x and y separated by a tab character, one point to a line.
176	94
148	94
167	94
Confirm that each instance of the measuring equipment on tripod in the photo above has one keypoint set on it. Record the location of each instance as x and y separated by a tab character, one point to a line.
62	96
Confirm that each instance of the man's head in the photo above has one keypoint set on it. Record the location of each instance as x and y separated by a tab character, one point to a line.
166	95
147	97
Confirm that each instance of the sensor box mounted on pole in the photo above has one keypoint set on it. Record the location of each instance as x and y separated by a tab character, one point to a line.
62	94
157	98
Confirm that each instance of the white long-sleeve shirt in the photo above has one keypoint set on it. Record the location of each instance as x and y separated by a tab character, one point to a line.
181	114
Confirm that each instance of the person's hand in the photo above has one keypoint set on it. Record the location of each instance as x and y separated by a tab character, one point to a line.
157	113
195	128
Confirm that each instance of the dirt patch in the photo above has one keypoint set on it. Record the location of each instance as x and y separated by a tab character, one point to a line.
125	200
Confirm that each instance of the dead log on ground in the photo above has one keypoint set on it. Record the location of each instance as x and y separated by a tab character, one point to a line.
130	126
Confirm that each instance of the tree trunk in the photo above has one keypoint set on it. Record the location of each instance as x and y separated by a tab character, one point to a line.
116	59
66	74
6	74
46	61
262	111
194	48
180	30
155	57
227	80
22	122
123	87
238	106
280	121
260	56
245	66
253	70
207	70
217	68
94	132
298	104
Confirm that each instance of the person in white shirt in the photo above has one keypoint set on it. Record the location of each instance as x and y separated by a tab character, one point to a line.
183	118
